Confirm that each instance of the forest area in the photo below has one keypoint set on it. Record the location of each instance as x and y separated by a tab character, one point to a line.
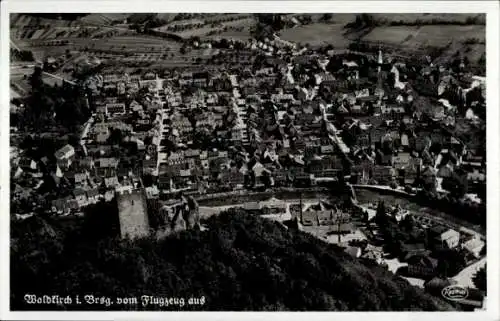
241	262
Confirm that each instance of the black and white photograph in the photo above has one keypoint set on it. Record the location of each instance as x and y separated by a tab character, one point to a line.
252	161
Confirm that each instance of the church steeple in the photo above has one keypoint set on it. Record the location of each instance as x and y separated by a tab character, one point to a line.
380	59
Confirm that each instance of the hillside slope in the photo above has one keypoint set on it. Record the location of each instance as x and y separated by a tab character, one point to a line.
241	262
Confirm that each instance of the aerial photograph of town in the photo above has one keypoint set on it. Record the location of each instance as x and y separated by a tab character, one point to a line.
247	161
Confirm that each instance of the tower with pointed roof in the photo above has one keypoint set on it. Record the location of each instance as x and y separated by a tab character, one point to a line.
380	61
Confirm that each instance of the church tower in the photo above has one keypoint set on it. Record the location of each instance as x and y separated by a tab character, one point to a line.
379	90
380	60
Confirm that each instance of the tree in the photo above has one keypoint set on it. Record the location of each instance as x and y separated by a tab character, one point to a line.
479	279
266	179
326	17
36	81
363	20
241	262
115	137
381	213
456	185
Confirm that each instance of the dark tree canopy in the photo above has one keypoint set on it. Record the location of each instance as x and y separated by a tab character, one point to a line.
242	262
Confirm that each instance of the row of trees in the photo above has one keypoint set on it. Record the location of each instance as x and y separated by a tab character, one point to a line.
476	20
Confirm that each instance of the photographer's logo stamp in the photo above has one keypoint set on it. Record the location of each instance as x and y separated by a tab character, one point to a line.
455	292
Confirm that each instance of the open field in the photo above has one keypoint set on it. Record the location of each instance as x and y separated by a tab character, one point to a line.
19	20
135	44
392	35
409	18
439	35
340	18
426	17
244	35
244	22
317	34
104	18
196	32
237	29
57	35
405	37
208	26
122	45
221	17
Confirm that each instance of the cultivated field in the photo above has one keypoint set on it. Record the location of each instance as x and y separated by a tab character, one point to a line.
135	44
406	36
19	20
468	41
437	35
236	26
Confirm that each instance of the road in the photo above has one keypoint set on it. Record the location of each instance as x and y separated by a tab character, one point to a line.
13	45
206	211
399	190
60	78
18	70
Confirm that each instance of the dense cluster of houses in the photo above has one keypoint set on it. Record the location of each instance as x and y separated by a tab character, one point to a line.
284	118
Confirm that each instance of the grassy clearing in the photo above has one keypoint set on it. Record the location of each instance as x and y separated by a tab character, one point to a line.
391	35
246	22
236	35
318	34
